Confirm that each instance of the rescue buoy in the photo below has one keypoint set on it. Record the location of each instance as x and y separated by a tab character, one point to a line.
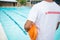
33	32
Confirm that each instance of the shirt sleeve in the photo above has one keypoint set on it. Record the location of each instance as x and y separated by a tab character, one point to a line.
33	14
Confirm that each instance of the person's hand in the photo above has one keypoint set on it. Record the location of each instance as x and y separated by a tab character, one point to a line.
27	28
27	25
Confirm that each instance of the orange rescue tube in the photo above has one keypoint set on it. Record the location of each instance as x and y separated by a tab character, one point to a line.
33	32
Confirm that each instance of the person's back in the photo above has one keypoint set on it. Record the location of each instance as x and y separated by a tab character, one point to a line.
45	15
47	19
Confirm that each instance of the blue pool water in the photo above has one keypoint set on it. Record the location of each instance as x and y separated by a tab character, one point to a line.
13	20
57	34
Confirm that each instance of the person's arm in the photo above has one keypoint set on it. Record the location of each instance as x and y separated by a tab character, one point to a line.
57	25
31	18
28	25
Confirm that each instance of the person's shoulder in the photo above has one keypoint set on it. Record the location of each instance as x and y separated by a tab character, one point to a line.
37	5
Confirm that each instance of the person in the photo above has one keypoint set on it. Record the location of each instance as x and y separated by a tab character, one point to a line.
45	16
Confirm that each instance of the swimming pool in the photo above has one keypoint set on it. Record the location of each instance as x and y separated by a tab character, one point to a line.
13	20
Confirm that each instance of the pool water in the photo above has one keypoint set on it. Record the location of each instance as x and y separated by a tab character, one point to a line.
57	34
13	20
